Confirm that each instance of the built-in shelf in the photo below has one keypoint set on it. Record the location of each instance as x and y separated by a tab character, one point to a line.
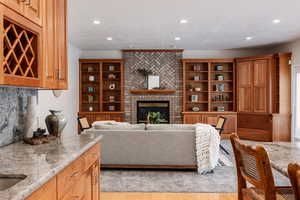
199	74
147	92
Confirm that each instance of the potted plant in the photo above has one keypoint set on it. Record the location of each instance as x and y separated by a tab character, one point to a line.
190	87
154	117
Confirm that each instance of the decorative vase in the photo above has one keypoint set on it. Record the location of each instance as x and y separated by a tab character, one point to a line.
56	122
31	117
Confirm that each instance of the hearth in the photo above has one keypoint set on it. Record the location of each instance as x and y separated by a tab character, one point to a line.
144	107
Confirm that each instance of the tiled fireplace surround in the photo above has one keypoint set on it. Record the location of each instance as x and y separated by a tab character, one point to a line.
165	64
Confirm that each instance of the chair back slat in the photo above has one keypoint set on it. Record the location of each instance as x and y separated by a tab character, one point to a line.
294	174
253	166
220	123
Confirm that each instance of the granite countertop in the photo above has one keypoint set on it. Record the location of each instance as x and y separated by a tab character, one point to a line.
281	154
40	163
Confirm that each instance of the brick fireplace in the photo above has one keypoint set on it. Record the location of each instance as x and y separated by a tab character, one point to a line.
166	64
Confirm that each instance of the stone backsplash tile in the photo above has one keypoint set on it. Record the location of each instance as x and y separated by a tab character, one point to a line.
13	107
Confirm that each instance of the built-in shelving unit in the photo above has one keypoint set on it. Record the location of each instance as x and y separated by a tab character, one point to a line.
102	89
209	92
208	85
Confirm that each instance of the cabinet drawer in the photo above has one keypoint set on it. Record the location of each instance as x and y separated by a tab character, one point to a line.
91	156
69	176
80	189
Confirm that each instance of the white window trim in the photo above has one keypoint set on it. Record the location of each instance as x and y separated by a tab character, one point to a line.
295	70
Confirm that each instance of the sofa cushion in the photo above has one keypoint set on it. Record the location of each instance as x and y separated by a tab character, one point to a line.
170	127
120	126
107	122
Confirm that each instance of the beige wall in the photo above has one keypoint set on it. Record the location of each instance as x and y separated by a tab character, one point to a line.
68	102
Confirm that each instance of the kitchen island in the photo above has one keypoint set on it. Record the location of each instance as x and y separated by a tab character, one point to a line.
58	165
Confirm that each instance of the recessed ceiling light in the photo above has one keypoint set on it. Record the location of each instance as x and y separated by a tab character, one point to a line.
109	38
177	38
276	21
96	22
249	38
183	21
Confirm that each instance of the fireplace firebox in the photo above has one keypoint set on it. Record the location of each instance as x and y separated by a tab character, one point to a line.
144	107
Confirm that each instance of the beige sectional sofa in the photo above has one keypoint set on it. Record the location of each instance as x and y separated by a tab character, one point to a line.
147	146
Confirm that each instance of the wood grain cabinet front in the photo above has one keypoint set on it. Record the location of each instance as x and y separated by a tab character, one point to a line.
264	97
34	48
55	45
22	52
31	9
78	181
46	192
16	5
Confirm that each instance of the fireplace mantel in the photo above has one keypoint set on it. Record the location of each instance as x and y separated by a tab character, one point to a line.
157	92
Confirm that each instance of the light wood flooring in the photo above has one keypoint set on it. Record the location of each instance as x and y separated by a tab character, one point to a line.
166	196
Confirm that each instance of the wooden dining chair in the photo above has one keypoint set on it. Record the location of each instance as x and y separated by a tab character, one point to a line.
294	174
83	123
220	127
253	166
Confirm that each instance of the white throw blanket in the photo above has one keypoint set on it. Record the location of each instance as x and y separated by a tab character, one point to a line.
207	147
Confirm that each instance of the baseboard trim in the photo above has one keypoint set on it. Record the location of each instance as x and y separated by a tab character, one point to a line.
148	167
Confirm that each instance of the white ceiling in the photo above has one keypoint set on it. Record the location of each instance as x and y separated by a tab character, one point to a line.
151	24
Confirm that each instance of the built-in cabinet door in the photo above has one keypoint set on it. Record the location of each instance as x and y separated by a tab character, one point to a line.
244	86
33	10
192	119
55	45
61	43
230	124
260	77
16	5
210	119
50	67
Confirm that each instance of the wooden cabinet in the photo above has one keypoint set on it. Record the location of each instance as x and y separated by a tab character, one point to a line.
31	9
55	45
46	192
102	89
50	65
253	80
35	43
260	86
208	85
212	118
264	97
244	86
192	119
16	5
79	180
61	43
22	50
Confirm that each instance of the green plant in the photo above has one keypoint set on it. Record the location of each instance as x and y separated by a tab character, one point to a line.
154	117
190	86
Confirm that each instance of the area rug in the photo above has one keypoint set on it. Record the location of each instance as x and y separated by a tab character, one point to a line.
223	179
